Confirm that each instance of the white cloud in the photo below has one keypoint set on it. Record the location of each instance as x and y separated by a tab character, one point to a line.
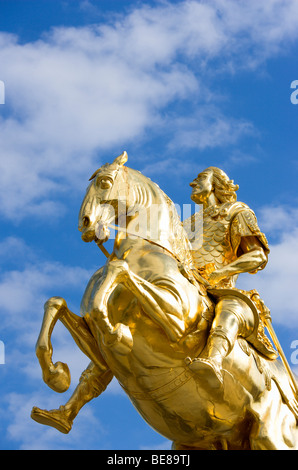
278	219
80	91
26	290
262	27
209	128
170	166
12	248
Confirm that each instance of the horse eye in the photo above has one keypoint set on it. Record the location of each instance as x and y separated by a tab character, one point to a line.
105	183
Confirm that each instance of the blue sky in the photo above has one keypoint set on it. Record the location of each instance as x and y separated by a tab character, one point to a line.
180	85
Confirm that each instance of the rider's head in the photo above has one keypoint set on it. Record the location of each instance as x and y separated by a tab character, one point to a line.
215	180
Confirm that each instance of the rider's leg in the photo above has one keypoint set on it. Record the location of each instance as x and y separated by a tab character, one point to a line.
92	383
233	318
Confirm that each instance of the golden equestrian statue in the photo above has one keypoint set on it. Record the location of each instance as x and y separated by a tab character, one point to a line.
163	316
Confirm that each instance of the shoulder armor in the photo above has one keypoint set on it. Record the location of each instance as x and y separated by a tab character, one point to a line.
245	223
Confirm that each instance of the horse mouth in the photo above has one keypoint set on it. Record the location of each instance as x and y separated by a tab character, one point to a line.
88	235
100	235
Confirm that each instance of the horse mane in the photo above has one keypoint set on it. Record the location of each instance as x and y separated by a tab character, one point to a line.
144	189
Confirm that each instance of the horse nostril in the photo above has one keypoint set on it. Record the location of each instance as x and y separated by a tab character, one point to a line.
85	221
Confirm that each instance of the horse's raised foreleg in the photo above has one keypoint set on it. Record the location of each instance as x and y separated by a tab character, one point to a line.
94	379
165	305
119	335
83	337
57	375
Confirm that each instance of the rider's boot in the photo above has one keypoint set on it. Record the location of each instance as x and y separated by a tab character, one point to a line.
223	334
58	419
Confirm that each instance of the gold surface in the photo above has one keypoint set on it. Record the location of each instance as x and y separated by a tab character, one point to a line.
164	317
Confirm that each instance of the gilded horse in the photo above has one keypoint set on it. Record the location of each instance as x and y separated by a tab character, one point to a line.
143	314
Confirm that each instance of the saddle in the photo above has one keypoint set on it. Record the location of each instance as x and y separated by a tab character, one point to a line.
258	339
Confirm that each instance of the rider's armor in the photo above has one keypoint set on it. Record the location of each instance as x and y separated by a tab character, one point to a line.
223	228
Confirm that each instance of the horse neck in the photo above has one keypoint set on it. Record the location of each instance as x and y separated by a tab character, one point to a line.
157	219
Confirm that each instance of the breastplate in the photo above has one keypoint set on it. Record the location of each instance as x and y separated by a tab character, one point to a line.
216	246
216	249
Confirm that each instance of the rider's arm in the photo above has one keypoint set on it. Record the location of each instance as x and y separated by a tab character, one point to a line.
253	256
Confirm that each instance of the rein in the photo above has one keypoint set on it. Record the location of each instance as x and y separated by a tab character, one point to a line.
122	229
193	273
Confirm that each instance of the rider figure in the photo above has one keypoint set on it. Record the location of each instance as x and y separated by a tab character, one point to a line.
232	244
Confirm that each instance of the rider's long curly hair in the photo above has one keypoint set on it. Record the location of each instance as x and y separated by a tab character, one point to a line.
224	188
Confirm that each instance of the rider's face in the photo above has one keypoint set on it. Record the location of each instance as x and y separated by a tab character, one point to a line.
202	187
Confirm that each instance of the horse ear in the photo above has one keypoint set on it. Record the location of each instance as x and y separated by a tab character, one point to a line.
121	159
94	174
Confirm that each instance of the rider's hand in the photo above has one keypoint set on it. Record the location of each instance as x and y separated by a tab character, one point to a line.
217	276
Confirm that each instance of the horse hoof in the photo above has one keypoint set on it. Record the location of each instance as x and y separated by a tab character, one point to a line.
58	377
